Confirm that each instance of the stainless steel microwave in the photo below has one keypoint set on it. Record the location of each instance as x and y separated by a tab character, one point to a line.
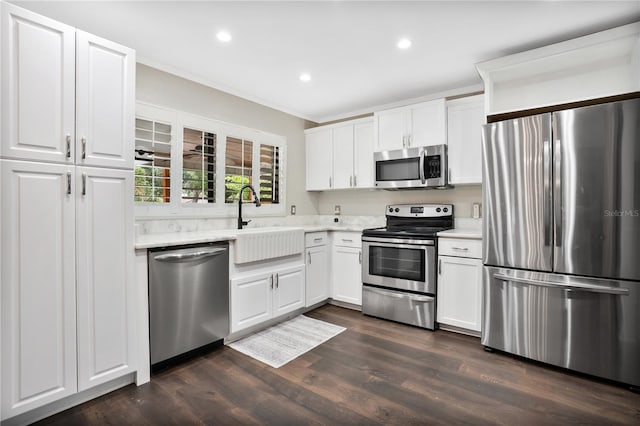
411	168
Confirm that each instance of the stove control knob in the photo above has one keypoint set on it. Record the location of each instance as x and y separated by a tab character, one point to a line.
438	209
397	210
446	209
390	210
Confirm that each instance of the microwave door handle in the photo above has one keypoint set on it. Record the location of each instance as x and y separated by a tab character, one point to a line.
422	177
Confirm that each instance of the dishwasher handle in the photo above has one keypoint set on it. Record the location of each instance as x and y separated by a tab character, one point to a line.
185	257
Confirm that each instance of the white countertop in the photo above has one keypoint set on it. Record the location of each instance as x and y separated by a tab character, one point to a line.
471	233
168	239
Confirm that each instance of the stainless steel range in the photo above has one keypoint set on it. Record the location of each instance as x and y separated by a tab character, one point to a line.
399	263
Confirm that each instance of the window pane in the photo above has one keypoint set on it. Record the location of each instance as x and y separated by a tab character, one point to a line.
198	166
238	169
152	161
269	174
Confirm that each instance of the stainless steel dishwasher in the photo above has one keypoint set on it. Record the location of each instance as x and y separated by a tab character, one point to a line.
188	299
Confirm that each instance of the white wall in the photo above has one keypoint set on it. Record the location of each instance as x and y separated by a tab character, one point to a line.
163	89
372	202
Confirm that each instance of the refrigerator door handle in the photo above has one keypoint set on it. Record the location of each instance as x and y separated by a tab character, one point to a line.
558	192
566	286
547	201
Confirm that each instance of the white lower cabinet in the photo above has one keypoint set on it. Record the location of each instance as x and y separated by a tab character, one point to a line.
346	261
317	264
460	292
258	297
67	290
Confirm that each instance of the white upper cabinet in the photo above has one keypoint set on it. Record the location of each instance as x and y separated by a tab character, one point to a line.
105	102
363	147
106	308
465	117
69	96
422	124
349	146
38	86
319	154
343	157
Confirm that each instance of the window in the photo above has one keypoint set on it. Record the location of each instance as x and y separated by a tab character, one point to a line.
194	166
238	169
152	161
198	166
269	174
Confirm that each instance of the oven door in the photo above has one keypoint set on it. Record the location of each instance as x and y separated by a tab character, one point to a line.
400	264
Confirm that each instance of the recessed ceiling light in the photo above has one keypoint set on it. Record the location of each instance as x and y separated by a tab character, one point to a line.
224	36
305	77
404	43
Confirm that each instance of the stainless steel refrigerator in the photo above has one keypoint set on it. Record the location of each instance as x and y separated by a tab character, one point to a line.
561	194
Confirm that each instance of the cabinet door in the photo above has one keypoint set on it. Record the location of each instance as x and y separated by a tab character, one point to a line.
38	86
391	129
105	253
343	157
465	118
347	274
317	276
105	103
289	290
319	160
250	300
460	292
38	285
428	123
363	147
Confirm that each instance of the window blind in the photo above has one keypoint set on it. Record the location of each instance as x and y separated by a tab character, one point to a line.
152	161
238	168
198	166
269	174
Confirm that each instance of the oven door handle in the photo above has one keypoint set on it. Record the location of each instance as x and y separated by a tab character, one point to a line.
396	242
410	296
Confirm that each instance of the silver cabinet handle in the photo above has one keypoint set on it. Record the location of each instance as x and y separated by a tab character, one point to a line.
271	279
317	240
178	257
408	141
68	183
355	180
360	257
84	184
277	280
404	141
439	266
460	248
351	181
346	240
84	147
564	285
309	254
449	175
68	138
329	181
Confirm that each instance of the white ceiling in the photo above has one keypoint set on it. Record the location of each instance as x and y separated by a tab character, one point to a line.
348	47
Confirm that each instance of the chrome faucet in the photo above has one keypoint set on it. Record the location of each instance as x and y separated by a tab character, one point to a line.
256	202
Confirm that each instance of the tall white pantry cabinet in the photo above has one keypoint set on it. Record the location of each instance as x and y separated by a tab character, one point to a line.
67	131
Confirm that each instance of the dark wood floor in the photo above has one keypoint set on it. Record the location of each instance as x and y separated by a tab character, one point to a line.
375	372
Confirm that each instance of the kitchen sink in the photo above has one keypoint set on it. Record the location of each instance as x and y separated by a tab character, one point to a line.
254	244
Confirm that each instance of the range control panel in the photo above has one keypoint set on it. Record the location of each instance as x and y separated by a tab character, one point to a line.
419	210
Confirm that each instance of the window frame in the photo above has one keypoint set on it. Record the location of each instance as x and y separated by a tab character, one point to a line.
175	208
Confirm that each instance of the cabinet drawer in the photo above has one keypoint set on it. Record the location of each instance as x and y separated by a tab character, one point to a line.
460	247
347	239
312	239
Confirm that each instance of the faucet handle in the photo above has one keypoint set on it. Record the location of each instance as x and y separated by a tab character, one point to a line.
246	222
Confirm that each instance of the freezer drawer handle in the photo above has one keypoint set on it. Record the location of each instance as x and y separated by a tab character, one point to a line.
412	297
565	286
177	257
